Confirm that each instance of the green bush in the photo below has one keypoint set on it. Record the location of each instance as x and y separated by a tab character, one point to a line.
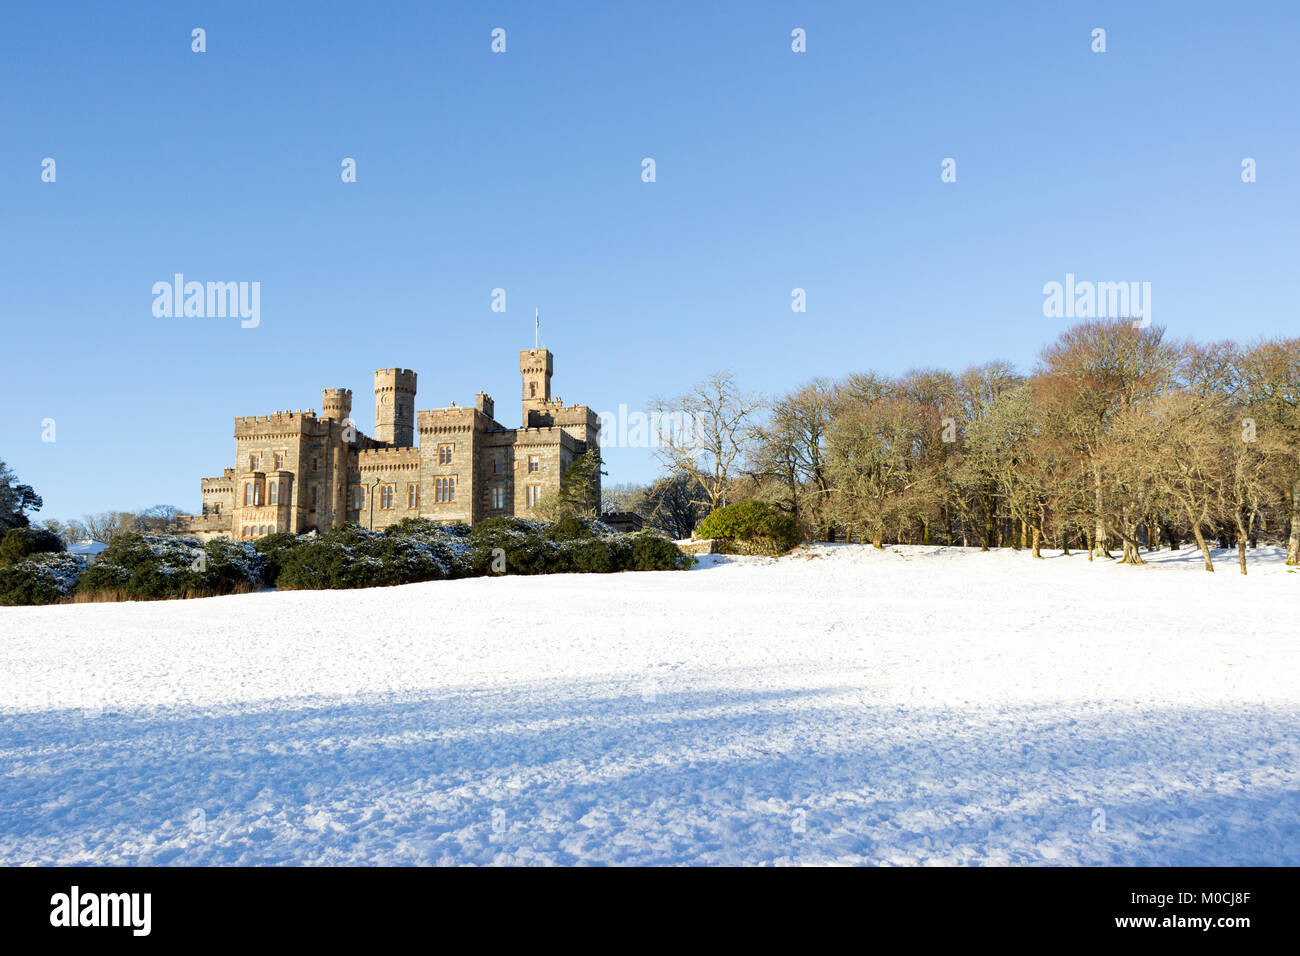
352	557
146	567
527	546
579	526
44	578
274	548
569	527
751	526
149	567
230	566
597	554
653	553
20	543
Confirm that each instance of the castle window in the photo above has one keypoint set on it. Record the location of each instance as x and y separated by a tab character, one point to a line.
534	464
315	463
261	530
532	389
444	454
412	496
254	462
444	489
534	495
313	496
498	498
279	461
359	497
496	466
248	494
386	496
257	494
275	492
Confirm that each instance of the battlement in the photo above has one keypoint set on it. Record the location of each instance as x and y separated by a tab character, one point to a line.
278	417
402	379
451	411
380	459
337	403
224	480
556	404
548	435
281	424
536	360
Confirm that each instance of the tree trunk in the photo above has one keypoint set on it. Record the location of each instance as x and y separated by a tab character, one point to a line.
1293	543
1099	530
1169	536
1242	534
1199	535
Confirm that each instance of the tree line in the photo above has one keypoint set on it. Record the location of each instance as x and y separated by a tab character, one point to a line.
1118	439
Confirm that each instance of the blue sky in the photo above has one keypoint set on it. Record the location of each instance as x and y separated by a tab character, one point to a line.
522	171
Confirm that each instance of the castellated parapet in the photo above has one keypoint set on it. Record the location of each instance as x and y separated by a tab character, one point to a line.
296	471
336	403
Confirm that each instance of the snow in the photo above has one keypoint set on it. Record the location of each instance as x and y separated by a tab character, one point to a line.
841	705
87	547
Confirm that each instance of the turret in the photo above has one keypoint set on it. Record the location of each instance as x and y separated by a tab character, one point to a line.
395	406
336	403
536	366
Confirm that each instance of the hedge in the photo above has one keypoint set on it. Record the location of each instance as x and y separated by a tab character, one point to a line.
150	567
751	527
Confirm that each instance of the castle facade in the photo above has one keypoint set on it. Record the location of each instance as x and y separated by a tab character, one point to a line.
299	471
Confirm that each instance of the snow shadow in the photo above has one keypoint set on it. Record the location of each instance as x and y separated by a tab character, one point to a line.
635	773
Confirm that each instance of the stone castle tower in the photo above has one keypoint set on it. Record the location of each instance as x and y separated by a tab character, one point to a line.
395	407
296	471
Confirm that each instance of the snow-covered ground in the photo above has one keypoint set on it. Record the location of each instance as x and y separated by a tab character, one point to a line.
911	706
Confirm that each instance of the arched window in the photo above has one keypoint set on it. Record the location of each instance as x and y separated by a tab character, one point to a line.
275	492
262	530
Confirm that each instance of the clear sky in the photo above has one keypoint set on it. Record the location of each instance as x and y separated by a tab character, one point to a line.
523	171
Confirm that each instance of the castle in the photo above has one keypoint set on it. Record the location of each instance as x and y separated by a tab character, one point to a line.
296	471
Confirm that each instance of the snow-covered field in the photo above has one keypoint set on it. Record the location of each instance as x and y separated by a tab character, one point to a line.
912	706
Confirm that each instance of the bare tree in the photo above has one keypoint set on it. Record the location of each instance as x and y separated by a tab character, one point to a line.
106	525
1271	384
708	433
